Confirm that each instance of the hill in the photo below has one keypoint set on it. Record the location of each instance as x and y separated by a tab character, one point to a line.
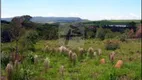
52	19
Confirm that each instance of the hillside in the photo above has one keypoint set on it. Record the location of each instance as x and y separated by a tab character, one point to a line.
51	19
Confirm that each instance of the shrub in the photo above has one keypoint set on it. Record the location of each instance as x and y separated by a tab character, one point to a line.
110	35
100	34
22	74
28	40
123	38
30	57
112	44
113	76
4	59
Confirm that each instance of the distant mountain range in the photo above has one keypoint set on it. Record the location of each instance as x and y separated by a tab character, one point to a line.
52	19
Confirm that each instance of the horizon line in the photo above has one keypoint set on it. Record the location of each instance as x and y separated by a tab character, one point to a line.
72	17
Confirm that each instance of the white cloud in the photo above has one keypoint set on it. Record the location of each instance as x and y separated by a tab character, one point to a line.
73	14
133	15
116	17
51	14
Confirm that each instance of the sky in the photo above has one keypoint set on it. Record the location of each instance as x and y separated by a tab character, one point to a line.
86	9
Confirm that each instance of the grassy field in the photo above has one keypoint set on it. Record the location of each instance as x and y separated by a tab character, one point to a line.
86	68
137	21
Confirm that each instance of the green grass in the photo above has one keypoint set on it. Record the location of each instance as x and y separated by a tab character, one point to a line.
137	21
87	69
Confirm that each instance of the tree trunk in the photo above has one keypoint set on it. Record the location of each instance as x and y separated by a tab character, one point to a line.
16	49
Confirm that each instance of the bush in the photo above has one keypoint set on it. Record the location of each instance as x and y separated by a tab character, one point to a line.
123	38
28	40
112	45
109	35
30	57
100	33
22	74
4	59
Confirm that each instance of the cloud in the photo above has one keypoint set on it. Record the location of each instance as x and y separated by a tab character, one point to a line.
133	15
73	14
51	14
117	17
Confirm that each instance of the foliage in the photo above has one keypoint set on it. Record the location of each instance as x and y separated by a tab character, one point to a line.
113	75
28	40
109	34
87	68
6	36
22	73
100	33
105	33
123	38
112	44
90	34
16	28
48	31
13	30
30	58
5	58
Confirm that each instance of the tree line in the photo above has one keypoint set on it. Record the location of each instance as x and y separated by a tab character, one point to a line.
22	26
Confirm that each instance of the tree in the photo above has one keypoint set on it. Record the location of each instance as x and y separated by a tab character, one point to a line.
17	29
47	31
26	18
100	33
132	25
90	34
27	23
5	33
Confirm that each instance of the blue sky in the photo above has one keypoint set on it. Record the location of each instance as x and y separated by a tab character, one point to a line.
87	9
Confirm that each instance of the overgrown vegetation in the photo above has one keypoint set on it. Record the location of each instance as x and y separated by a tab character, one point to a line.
112	44
31	51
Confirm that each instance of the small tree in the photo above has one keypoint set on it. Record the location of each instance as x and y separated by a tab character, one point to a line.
17	29
90	34
100	33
